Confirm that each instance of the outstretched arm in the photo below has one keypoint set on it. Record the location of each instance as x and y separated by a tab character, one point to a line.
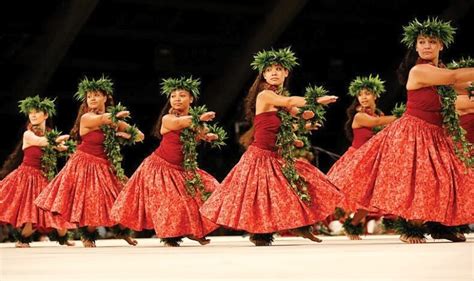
365	120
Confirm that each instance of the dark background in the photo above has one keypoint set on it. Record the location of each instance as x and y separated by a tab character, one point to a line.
46	47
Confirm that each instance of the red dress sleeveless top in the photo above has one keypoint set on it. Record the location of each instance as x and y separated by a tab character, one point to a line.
32	156
425	103
361	136
93	143
467	122
266	126
171	148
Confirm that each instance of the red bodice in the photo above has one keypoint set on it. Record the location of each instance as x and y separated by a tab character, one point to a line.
32	156
361	136
425	104
93	143
266	126
171	148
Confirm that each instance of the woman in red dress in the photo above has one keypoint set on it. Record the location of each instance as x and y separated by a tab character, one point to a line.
256	196
363	118
85	189
20	185
410	169
157	195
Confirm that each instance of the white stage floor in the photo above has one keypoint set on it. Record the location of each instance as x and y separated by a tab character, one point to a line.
235	258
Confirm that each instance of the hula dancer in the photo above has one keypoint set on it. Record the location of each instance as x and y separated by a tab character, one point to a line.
363	119
26	173
411	168
267	191
84	191
168	188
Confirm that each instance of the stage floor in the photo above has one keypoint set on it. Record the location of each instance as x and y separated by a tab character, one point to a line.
235	258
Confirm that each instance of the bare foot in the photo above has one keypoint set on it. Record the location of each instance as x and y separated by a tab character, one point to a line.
88	243
353	237
203	240
412	239
22	245
70	243
130	240
305	234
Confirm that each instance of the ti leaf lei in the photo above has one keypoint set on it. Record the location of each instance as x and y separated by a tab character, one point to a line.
50	155
190	139
113	143
286	137
448	95
462	147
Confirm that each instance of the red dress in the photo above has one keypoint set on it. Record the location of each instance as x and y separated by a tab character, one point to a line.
409	169
156	196
361	136
85	189
467	122
256	197
18	191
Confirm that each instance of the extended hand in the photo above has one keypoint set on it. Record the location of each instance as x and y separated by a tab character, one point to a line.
312	126
62	138
307	114
210	137
122	114
327	99
208	116
298	143
123	135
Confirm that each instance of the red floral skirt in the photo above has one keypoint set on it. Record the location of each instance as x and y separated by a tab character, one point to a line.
256	197
83	192
409	169
156	197
17	192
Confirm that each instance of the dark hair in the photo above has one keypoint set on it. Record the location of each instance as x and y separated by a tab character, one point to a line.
156	131
16	157
83	109
406	65
350	112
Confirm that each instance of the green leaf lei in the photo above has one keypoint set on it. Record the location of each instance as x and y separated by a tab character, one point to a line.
113	143
286	137
190	139
463	63
462	147
50	155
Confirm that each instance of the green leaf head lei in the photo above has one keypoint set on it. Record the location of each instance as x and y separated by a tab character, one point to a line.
432	27
45	105
284	57
184	83
371	83
103	84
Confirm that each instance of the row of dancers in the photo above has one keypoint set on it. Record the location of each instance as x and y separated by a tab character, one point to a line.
411	169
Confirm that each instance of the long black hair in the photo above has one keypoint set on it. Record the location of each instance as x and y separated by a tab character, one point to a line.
406	65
